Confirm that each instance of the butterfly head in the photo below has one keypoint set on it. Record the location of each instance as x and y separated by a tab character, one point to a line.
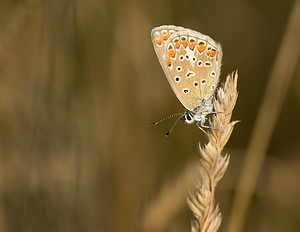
188	117
199	113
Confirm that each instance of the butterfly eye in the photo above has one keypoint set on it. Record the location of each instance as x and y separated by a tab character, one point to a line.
188	118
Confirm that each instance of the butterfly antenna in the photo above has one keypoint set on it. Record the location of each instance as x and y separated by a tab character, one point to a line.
155	123
167	134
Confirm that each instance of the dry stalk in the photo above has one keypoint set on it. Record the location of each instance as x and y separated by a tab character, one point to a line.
207	217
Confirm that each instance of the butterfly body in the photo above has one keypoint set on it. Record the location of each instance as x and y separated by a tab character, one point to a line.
191	62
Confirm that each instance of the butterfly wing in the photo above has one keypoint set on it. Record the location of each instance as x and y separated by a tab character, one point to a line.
191	62
160	36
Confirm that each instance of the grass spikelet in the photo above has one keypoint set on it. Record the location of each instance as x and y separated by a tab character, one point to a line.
207	217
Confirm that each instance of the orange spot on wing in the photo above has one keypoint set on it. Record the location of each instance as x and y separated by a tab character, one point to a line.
165	37
211	53
169	62
184	43
201	48
217	57
172	53
158	41
177	44
192	45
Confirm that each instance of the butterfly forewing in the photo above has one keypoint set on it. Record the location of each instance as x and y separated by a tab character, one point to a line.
191	62
160	36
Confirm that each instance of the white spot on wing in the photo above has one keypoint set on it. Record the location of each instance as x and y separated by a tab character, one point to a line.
190	74
171	32
199	63
186	90
207	64
190	55
177	79
179	68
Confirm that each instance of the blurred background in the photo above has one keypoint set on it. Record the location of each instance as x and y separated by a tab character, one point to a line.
79	84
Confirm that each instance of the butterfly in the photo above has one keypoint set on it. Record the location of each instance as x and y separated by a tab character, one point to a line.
191	62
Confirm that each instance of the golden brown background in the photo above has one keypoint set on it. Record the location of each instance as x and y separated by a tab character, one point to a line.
79	83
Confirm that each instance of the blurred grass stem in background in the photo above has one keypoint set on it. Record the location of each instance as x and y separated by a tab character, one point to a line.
275	94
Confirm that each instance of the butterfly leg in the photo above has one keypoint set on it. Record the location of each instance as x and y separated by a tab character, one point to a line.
204	126
200	125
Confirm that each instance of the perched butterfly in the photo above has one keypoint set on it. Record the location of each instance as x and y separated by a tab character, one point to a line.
191	62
